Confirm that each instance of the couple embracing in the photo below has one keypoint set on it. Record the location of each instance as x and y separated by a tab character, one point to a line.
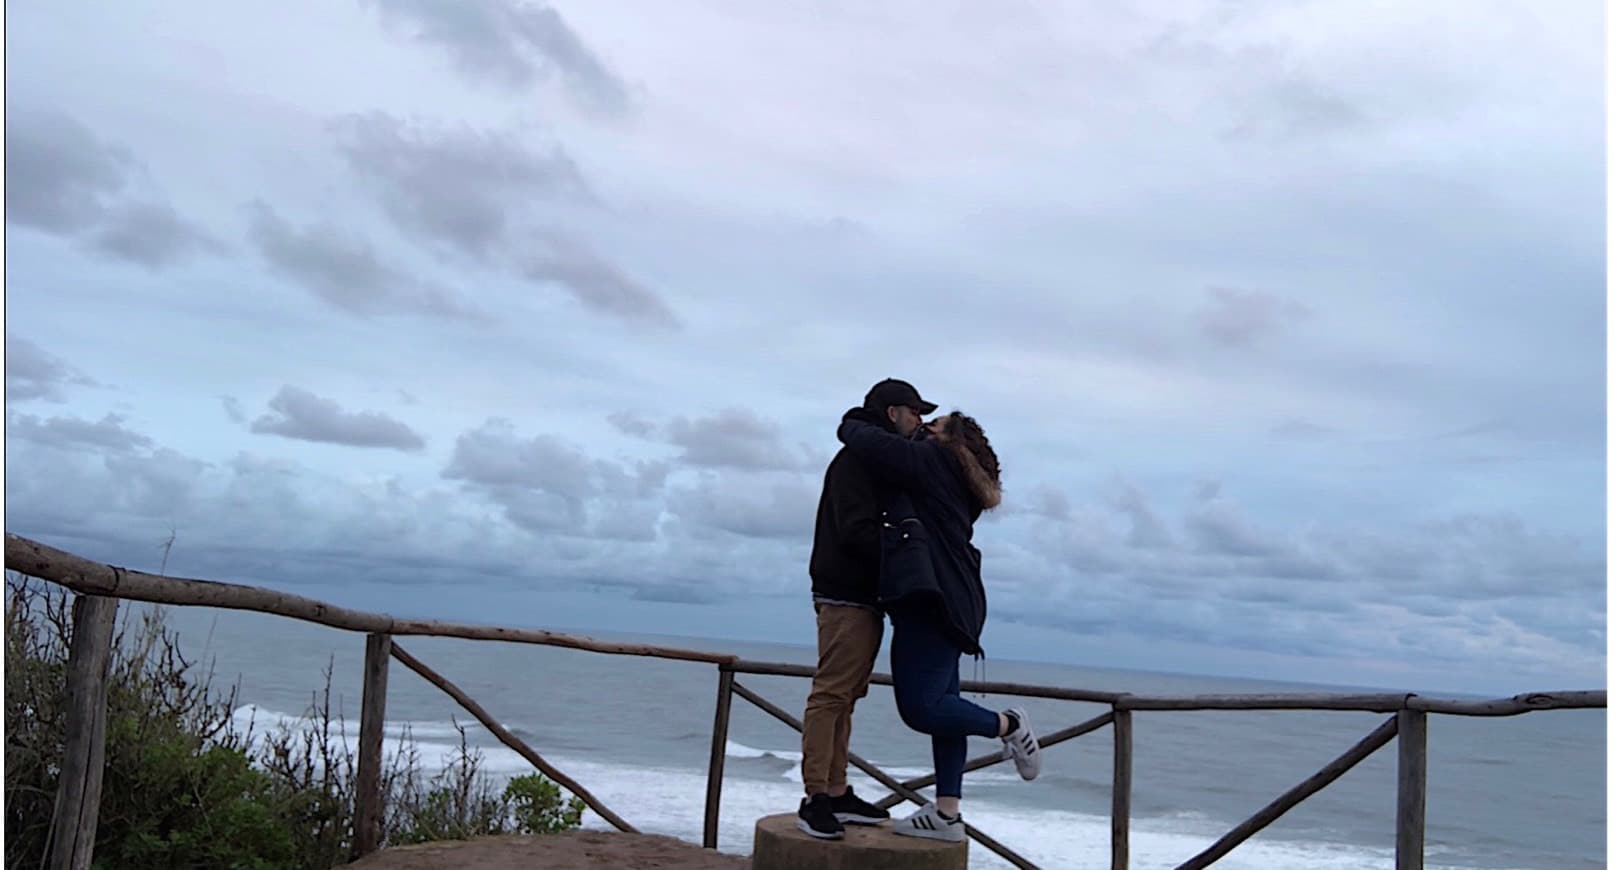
893	538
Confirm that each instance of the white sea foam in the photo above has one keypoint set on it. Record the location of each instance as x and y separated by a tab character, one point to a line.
438	743
670	801
267	721
742	750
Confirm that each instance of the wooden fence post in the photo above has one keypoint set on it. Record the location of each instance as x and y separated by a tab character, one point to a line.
368	797
84	753
1122	785
1411	852
715	762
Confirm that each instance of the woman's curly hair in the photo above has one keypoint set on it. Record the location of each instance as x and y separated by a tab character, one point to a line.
966	431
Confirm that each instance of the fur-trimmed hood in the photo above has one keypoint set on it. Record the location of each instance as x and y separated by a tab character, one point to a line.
978	480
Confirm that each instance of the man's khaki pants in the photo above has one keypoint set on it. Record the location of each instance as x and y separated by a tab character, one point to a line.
849	640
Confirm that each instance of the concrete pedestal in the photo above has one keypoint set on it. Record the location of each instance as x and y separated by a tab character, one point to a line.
777	844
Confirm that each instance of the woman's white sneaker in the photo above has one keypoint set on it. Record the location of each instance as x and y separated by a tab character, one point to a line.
929	823
1022	745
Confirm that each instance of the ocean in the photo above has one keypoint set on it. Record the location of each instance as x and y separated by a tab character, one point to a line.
1516	792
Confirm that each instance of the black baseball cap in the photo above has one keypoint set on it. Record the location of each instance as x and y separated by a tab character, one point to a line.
892	392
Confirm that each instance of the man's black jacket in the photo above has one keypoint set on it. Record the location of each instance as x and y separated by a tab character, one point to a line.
847	534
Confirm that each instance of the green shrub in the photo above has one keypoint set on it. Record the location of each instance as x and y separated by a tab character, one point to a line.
178	788
538	807
35	717
208	808
459	803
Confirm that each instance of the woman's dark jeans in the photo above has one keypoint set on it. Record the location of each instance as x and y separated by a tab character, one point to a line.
926	682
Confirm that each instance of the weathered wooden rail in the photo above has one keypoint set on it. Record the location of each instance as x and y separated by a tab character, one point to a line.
100	586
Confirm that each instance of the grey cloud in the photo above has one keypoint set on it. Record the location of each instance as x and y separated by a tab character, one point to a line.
1492	569
640	480
1256	592
747	506
1493	426
630	423
1245	616
675	594
1294	108
1084	541
633	520
544	484
467	190
233	409
495	455
1087	621
537	511
62	179
1491	555
234	519
653	475
1305	106
1431	605
32	373
152	235
155	484
340	524
1222	549
458	187
1146	529
1273	98
1047	501
108	433
80	477
736	438
596	283
1237	317
1218	528
512	43
1235	624
1300	430
346	271
300	414
1396	561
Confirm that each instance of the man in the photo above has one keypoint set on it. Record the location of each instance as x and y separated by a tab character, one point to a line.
844	567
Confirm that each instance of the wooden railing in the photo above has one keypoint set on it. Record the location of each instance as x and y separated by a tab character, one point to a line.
99	586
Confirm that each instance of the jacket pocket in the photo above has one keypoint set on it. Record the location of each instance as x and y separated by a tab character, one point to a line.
906	559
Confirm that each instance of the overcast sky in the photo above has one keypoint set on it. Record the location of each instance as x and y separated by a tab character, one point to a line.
1287	319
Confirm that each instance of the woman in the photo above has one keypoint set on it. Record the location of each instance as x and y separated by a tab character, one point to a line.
931	586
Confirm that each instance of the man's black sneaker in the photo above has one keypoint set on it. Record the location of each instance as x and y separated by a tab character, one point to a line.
815	818
851	810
